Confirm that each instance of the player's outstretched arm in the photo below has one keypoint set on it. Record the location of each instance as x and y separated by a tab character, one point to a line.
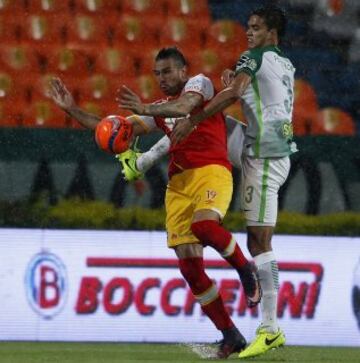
225	98
222	100
64	99
180	107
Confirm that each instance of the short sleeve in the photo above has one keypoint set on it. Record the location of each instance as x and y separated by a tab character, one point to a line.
202	85
147	122
249	62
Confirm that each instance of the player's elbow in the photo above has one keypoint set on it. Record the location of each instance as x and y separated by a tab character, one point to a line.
138	129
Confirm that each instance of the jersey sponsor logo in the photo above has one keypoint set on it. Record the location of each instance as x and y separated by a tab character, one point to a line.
287	130
193	87
116	291
199	84
46	284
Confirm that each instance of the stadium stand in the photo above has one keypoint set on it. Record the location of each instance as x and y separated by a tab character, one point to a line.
20	58
185	34
86	30
70	38
12	7
235	111
336	17
333	121
11	113
45	29
66	61
209	63
132	33
189	8
98	7
144	7
228	38
147	87
7	89
354	48
43	113
46	6
305	108
113	61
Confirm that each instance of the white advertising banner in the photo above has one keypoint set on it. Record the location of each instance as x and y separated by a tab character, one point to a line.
66	285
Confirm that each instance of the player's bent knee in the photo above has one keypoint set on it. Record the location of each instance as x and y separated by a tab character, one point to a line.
189	250
203	230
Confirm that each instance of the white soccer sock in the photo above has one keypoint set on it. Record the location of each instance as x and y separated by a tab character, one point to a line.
269	281
148	158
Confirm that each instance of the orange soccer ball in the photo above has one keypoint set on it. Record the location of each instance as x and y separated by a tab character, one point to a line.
113	134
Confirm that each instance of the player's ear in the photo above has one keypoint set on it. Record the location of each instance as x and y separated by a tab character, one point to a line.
184	71
273	35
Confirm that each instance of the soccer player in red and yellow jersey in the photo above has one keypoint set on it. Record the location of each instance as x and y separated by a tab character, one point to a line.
200	185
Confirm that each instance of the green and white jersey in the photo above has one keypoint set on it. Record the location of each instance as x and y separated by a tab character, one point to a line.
268	102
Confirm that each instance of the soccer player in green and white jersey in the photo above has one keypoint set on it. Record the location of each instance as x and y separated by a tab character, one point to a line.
264	82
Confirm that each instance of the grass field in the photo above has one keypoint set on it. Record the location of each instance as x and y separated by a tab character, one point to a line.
20	352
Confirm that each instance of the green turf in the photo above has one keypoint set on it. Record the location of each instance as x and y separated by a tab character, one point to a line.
20	352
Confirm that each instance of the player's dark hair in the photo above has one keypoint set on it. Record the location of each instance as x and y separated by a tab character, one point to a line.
171	52
274	18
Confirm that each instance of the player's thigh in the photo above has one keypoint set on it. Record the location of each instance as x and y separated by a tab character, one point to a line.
179	213
212	189
261	180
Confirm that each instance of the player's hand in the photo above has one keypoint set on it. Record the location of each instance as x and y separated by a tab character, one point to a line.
129	100
183	127
227	77
60	94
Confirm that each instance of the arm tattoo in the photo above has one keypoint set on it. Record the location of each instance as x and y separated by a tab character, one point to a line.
176	108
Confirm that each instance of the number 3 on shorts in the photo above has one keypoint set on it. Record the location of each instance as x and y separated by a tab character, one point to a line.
249	193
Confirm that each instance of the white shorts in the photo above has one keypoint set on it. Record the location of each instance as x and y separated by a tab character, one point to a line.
260	183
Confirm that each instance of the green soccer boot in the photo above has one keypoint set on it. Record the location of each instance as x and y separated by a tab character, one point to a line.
263	342
128	162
